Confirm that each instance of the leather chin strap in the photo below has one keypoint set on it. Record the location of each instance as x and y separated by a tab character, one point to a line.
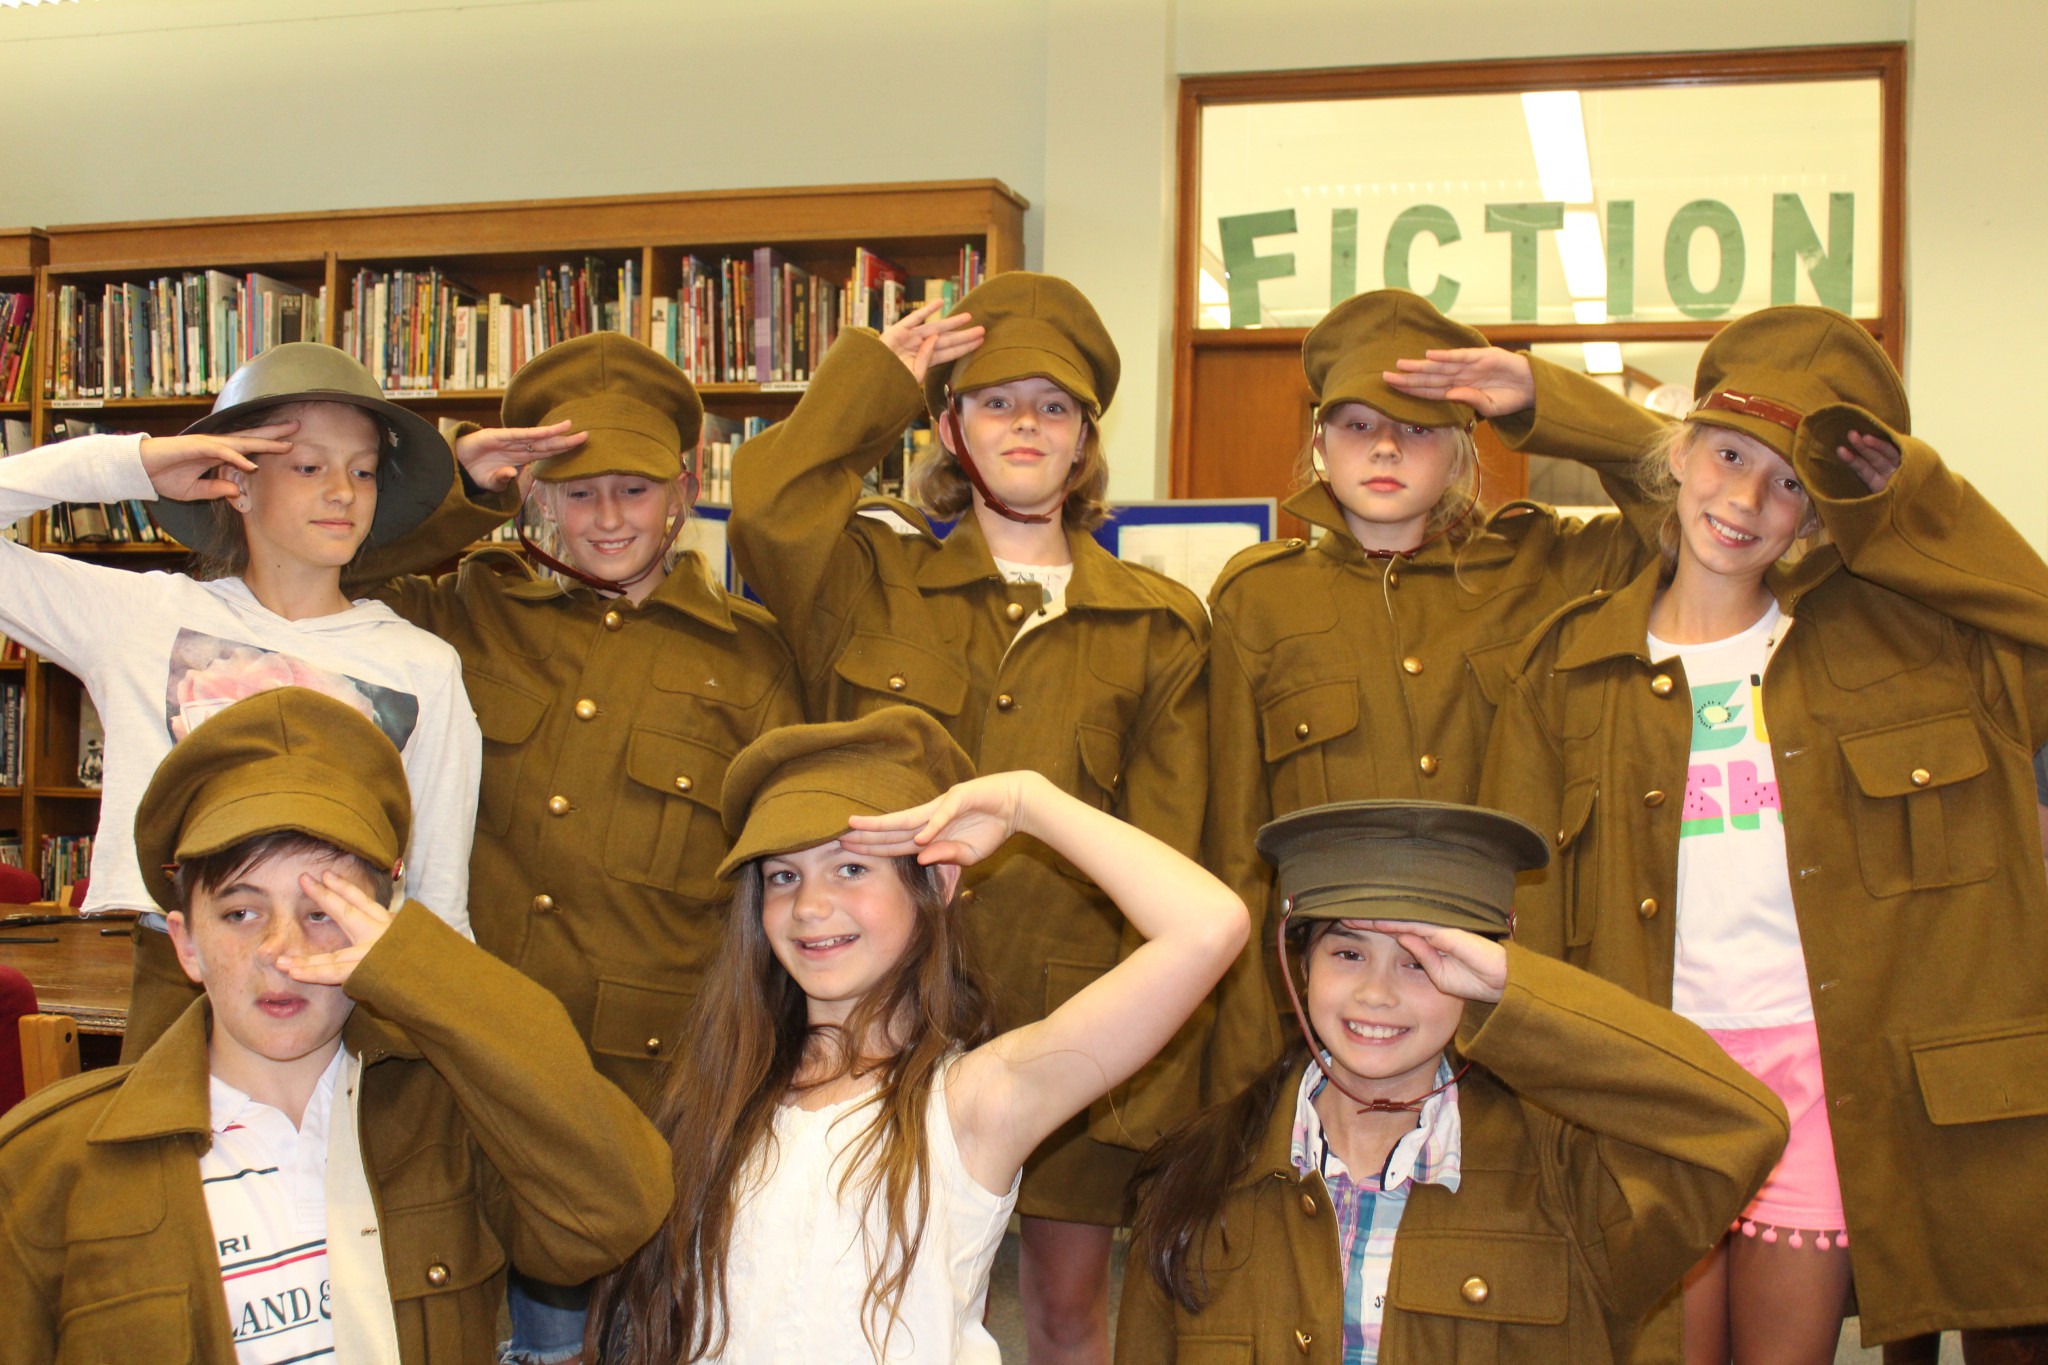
996	504
1315	1052
618	587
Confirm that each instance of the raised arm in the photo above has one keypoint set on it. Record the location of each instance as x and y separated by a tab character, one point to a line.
1011	1093
795	486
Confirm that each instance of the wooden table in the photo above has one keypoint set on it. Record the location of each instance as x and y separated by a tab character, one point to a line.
84	974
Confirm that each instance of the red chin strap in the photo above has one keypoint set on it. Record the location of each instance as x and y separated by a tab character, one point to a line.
996	504
1315	1052
606	585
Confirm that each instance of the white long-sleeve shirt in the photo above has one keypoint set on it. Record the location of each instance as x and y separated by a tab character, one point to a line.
159	652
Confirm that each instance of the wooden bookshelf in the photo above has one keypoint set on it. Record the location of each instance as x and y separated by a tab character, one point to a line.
492	246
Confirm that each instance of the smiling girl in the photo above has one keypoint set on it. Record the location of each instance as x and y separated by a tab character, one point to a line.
849	1127
1369	662
1479	1155
1793	801
1031	644
299	467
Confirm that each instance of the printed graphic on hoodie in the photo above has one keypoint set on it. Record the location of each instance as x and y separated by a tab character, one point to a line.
209	674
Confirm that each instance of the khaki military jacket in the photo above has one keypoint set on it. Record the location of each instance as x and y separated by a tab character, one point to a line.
607	730
1606	1146
1903	704
1341	676
483	1148
1107	700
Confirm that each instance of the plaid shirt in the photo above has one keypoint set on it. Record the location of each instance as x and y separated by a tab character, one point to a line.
1368	1208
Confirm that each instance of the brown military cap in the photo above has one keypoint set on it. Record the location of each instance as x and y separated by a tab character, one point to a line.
286	759
642	412
1039	326
413	473
1362	337
1426	862
1762	374
793	788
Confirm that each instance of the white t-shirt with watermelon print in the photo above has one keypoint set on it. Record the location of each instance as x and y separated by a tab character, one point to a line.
1738	963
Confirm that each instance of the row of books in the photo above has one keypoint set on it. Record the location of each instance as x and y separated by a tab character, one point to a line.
98	523
17	346
176	335
722	437
759	318
66	860
10	847
14	439
13	727
423	331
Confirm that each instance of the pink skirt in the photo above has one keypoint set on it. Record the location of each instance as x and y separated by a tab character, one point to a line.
1802	1199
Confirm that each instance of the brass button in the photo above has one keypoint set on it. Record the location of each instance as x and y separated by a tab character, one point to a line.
1661	684
1411	665
1303	1340
1561	837
1428	764
1648	909
1393	578
437	1274
1301	730
1308	1205
966	897
897	682
614	621
586	709
1474	1290
1006	702
1295	542
654	1047
1015	611
543	904
558	805
1921	777
1653	798
684	783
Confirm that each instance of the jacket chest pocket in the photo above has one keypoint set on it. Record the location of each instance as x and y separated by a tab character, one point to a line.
158	1321
1100	752
665	830
1919	805
440	1260
1297	727
508	716
888	670
1488	1279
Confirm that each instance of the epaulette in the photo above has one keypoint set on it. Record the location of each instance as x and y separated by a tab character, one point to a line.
1173	594
1535	639
1265	552
501	561
911	516
55	1099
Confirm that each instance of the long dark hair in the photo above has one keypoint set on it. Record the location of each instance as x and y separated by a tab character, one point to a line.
749	1037
1180	1184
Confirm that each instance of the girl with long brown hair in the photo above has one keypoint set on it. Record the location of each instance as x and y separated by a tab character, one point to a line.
848	1130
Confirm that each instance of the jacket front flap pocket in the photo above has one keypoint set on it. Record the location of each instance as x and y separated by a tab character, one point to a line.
1994	1073
505	713
897	668
1490	668
1102	756
676	765
1212	1350
1065	980
1309	716
637	1021
1520	1277
438	1249
1917	755
152	1322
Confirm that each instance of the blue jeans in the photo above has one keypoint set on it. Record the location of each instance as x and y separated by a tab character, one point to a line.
547	1321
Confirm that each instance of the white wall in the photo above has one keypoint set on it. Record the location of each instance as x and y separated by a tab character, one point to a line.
145	108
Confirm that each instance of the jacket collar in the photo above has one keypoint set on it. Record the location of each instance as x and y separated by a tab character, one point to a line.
1100	580
687	590
169	1091
1619	627
1317	506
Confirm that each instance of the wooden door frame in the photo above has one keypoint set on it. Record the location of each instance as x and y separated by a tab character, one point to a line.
1886	62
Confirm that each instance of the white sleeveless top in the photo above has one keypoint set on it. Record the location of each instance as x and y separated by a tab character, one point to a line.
798	1265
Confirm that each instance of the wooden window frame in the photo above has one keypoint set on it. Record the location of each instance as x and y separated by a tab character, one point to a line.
1885	62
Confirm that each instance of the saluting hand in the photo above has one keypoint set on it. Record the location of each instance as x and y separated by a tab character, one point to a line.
1491	381
963	825
1873	458
1456	962
189	468
493	456
362	919
921	339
